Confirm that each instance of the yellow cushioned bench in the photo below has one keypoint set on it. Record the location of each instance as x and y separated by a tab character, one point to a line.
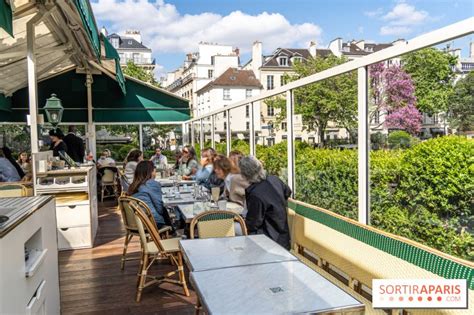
360	261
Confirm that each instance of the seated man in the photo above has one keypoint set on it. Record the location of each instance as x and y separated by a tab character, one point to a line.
159	160
266	200
105	160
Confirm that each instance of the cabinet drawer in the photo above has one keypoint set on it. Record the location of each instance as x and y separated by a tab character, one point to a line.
74	237
73	215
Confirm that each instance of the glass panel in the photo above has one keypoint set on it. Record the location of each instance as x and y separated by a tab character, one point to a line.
119	139
220	133
421	160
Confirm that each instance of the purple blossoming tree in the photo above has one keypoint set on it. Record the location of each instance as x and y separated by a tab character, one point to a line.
393	92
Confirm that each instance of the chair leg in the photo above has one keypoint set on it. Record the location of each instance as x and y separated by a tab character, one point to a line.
128	238
142	277
182	277
198	306
102	194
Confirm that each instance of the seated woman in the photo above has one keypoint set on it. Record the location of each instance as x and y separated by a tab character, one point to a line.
188	165
131	162
8	172
235	183
24	162
207	160
145	188
7	153
267	202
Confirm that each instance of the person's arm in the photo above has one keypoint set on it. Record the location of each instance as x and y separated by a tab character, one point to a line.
156	197
255	214
202	175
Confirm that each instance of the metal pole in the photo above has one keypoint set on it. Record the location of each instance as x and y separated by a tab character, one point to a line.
140	136
213	131
91	141
363	147
290	141
252	131
228	137
192	133
32	85
183	134
201	134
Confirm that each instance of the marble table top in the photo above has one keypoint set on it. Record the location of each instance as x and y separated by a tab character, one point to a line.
277	288
215	253
189	211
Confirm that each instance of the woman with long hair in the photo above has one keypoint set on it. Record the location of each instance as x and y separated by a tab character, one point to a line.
235	184
188	164
145	188
24	162
131	162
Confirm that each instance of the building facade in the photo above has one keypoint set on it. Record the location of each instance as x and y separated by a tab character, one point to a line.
232	86
130	48
200	68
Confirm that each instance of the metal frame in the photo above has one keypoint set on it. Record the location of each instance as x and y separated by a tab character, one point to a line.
453	31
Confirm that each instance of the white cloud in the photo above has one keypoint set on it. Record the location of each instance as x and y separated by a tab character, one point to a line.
401	19
374	13
394	30
406	15
166	30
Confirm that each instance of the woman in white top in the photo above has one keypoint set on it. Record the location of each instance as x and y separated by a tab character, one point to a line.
131	162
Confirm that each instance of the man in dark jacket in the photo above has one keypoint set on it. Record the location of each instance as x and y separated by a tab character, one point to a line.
75	145
267	202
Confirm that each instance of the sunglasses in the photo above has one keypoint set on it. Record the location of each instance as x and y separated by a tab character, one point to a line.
185	151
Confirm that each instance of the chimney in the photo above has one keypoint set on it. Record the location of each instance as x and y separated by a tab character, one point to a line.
257	58
134	34
237	51
471	49
312	48
189	57
361	44
103	30
336	47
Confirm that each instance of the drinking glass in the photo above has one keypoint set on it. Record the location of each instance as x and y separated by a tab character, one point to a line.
216	192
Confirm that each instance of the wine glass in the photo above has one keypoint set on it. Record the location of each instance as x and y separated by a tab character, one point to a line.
216	192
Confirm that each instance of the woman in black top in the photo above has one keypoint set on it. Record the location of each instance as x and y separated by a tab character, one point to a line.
57	143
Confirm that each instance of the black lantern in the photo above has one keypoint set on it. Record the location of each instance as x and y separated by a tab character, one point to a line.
54	110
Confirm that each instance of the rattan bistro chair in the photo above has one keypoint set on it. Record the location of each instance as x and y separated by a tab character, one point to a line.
109	181
130	225
152	247
218	223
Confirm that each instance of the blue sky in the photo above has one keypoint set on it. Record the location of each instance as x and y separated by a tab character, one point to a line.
174	27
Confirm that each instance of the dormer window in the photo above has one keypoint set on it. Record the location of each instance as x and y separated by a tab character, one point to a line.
283	61
297	59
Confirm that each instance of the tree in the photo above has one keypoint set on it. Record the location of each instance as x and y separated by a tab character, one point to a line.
392	91
330	100
139	73
461	104
433	75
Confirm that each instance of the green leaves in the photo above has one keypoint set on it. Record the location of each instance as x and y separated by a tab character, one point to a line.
461	104
432	72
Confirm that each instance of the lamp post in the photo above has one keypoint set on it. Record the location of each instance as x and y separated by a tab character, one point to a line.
54	110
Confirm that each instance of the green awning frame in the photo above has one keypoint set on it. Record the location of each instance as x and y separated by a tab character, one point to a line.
143	103
111	53
88	21
6	17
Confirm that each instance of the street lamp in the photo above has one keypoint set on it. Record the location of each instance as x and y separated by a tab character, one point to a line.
54	110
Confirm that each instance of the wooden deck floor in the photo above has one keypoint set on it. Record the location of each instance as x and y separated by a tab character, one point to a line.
91	281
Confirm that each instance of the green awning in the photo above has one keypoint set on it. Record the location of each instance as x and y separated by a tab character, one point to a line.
5	103
111	53
119	76
142	103
88	21
6	17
